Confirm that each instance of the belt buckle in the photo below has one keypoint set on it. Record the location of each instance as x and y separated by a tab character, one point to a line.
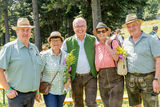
81	75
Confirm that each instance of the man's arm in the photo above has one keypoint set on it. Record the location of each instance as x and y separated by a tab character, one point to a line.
156	84
3	80
12	93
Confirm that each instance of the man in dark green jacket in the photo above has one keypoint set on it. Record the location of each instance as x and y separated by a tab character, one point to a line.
83	73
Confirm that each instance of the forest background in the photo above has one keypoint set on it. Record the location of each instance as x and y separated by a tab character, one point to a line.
57	15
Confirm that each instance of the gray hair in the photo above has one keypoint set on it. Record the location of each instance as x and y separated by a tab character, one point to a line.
77	19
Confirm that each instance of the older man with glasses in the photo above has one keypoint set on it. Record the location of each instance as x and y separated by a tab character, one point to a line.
83	73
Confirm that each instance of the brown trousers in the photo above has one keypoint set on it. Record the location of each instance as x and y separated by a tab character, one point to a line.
89	85
111	87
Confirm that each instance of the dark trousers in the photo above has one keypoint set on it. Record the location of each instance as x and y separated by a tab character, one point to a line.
22	100
84	83
111	87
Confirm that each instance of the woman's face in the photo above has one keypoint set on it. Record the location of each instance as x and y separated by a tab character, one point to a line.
102	33
55	43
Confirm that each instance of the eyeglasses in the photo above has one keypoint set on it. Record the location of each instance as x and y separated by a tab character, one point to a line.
103	31
54	41
82	26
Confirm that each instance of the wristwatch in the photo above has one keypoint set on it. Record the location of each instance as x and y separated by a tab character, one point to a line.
158	79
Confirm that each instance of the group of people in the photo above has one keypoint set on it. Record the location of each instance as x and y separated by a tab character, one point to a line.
21	66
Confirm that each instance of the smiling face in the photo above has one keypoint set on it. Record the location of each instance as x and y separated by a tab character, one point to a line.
102	34
79	27
55	43
23	34
134	28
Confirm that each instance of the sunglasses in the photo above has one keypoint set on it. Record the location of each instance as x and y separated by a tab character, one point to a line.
103	31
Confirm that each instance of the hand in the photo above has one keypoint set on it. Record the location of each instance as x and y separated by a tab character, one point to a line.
156	86
12	94
67	85
38	97
108	42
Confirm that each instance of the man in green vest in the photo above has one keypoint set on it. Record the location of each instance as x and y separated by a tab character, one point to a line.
83	73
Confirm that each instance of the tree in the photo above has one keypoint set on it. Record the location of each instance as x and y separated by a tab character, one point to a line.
37	25
5	13
96	12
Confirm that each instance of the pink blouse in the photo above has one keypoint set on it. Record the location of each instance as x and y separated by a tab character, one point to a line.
102	58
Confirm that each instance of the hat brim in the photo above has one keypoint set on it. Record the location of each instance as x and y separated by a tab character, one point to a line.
125	25
49	38
95	32
15	27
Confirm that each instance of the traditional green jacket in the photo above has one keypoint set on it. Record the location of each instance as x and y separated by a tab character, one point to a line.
89	46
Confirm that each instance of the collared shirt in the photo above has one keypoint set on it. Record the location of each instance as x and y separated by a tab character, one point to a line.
51	65
82	64
22	65
140	55
102	58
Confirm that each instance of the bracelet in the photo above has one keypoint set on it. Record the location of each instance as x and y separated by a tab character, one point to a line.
9	90
37	92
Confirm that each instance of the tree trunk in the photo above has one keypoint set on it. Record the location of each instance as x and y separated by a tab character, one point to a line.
37	25
68	27
96	12
5	12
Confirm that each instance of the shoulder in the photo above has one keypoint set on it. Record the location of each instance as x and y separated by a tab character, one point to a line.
148	37
45	53
70	38
33	45
10	45
90	36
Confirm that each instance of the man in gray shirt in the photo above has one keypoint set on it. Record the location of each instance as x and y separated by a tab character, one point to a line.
21	63
143	59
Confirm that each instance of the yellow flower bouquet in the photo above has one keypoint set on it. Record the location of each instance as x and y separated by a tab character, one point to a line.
70	59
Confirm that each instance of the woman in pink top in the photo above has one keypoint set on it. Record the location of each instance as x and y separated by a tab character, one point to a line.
111	84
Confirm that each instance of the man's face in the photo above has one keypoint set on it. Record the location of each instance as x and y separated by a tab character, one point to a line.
101	34
24	34
134	28
80	28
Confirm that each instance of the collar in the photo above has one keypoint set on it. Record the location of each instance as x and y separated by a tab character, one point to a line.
143	35
78	39
53	54
21	45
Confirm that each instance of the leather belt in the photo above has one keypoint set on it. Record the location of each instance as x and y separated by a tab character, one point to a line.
82	75
140	74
